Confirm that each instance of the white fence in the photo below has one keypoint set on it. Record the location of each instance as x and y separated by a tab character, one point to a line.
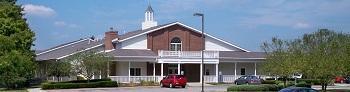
207	78
135	79
188	54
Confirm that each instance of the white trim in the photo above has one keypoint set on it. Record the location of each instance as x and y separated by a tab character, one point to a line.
60	47
109	50
212	37
79	51
140	35
183	26
162	28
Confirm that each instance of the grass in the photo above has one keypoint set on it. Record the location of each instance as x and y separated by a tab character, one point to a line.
338	90
15	90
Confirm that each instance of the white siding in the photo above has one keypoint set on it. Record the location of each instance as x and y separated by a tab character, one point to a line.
213	44
227	68
122	68
139	42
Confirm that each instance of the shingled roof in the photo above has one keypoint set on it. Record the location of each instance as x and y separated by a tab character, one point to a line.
66	49
242	55
132	53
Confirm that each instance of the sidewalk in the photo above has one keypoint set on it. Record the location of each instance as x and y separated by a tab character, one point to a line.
336	86
197	84
35	90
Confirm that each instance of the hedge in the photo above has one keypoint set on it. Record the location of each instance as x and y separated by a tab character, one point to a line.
262	87
310	81
303	84
271	82
79	85
83	81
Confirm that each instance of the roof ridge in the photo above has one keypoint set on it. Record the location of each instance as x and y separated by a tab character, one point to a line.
62	45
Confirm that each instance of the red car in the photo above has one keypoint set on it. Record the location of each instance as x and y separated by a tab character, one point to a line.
339	79
173	81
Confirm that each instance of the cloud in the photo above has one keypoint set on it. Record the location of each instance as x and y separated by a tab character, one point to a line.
301	25
38	10
64	24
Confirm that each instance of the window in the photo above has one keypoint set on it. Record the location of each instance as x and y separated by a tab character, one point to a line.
242	71
175	44
135	71
207	72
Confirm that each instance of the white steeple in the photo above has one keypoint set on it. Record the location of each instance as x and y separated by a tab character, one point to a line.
149	19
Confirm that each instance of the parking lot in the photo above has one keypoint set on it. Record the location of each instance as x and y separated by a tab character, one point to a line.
191	88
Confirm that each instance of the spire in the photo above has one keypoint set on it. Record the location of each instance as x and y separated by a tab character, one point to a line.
149	19
149	8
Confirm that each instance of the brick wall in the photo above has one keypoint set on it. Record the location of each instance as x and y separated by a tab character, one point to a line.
160	40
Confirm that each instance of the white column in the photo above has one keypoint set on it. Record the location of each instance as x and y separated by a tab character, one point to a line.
108	69
100	76
178	68
217	72
201	73
235	70
161	69
129	72
255	68
154	71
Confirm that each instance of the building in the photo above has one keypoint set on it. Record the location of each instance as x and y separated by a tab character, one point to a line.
158	50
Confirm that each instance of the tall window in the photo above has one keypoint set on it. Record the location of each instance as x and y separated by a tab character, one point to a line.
175	44
135	71
242	71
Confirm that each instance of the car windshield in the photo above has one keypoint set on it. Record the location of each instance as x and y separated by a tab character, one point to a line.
253	77
179	76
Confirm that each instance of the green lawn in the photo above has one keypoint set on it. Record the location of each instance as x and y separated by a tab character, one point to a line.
17	90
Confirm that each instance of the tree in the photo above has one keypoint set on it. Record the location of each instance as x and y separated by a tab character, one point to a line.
59	69
17	59
279	60
321	55
88	63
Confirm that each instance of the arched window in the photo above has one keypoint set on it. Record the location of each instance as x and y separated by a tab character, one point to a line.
175	44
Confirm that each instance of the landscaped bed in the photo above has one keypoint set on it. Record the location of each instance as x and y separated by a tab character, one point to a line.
271	85
80	84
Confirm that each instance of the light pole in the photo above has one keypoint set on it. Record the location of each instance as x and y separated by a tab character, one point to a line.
203	47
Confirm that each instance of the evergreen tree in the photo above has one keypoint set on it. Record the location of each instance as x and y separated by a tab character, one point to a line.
16	39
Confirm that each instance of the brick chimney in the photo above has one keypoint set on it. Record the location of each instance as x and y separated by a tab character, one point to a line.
109	36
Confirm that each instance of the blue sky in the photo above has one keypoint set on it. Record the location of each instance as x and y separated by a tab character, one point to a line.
246	23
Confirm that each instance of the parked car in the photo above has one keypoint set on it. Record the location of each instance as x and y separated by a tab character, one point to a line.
339	79
347	80
298	89
173	81
247	79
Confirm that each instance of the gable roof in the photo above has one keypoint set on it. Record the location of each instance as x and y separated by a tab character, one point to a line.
73	47
156	28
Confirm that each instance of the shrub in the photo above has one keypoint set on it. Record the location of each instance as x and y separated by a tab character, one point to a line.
310	81
263	87
79	85
84	81
148	83
303	84
270	82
